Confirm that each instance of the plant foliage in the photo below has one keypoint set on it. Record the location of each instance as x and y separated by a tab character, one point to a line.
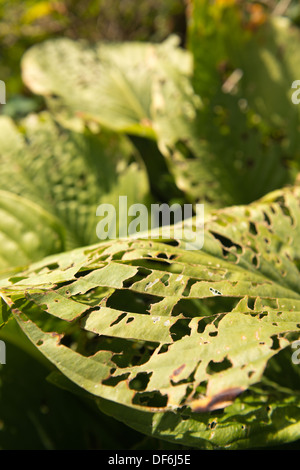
190	347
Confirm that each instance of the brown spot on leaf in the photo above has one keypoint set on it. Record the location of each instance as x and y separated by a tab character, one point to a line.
178	370
215	402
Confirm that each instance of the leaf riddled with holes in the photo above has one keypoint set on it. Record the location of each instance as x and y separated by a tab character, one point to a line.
185	345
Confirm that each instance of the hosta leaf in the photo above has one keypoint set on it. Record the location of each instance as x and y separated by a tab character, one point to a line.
219	147
243	72
68	173
5	313
141	89
166	338
119	85
253	421
38	415
255	62
27	231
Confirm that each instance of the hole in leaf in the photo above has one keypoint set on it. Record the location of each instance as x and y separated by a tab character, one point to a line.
226	242
275	342
217	320
202	324
267	218
180	329
130	353
120	317
142	273
188	286
251	302
284	209
82	273
162	255
188	380
140	382
215	367
262	315
118	256
164	348
129	301
152	264
252	228
67	340
52	266
165	279
113	381
187	307
171	242
151	399
213	333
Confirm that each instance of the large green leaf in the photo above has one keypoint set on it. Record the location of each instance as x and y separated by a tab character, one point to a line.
140	89
244	72
36	415
27	231
221	146
164	337
119	85
68	173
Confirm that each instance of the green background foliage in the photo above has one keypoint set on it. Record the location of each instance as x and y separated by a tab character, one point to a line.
139	343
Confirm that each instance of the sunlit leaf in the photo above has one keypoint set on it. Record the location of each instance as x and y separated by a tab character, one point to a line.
164	338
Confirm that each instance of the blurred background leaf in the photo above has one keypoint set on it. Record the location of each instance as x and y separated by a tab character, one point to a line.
68	173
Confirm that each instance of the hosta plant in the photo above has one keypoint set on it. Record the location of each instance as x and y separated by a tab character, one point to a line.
193	347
